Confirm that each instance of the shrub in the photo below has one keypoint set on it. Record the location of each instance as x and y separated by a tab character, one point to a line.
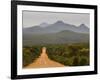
84	52
84	61
75	61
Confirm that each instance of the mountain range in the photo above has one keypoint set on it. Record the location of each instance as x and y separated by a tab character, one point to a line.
55	27
56	33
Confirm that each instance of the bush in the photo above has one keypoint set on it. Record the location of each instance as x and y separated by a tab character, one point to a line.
84	52
84	61
75	61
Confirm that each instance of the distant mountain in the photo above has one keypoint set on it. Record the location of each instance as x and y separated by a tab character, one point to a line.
56	33
43	25
65	36
55	27
83	28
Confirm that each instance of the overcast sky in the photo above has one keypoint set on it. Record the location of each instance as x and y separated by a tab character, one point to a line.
33	18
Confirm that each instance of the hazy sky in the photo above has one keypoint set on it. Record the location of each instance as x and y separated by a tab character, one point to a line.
32	18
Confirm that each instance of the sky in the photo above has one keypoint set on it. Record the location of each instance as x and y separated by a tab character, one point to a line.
33	18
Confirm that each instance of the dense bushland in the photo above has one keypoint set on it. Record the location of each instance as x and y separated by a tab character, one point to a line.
75	54
30	54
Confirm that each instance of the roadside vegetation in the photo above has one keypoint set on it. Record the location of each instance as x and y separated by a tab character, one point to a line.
30	54
75	54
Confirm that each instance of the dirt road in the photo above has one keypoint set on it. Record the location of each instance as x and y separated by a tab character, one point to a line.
43	61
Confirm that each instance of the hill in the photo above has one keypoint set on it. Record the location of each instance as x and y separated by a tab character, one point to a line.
65	36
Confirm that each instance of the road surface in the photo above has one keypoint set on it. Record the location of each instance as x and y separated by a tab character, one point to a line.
43	61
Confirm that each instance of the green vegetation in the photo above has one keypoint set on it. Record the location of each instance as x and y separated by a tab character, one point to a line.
76	54
30	54
73	54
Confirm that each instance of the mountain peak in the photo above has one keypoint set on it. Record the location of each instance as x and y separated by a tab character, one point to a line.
60	22
82	25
